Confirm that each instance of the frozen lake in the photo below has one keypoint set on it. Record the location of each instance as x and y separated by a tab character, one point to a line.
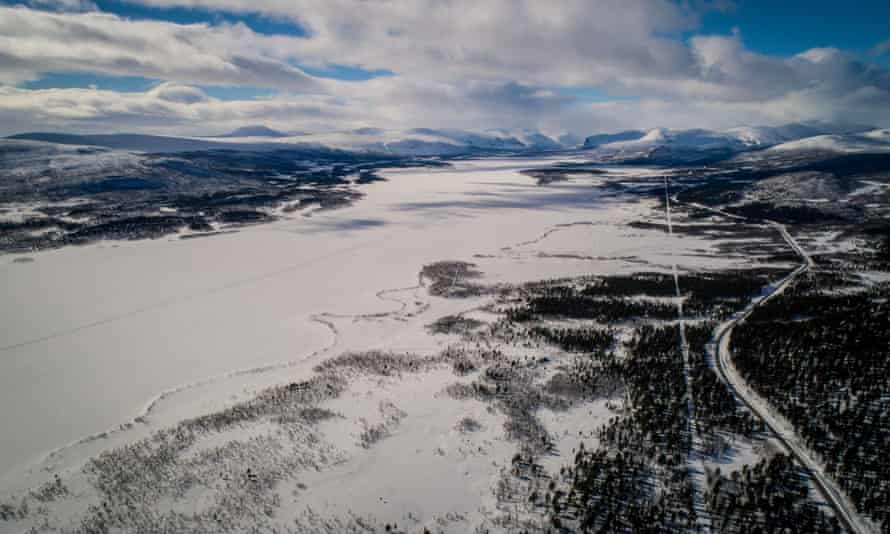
89	336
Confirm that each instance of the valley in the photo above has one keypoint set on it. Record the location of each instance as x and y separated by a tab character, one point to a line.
564	367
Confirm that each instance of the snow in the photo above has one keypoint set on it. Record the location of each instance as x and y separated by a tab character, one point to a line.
879	135
697	138
38	160
758	136
144	334
870	188
874	141
781	428
414	142
443	142
815	136
573	427
427	470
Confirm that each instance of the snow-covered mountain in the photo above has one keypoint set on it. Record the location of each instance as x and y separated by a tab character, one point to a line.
666	145
125	141
763	136
655	145
870	141
594	141
255	131
433	142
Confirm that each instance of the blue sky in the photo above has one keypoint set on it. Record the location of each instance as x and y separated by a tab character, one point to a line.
781	28
259	23
788	27
183	65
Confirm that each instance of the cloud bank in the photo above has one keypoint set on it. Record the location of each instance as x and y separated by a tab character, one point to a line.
555	66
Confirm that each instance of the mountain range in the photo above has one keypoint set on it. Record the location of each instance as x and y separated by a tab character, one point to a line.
655	145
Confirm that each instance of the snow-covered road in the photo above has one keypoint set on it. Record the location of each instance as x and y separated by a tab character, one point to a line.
783	430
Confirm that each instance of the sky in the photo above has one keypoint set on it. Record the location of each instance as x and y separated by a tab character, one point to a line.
205	67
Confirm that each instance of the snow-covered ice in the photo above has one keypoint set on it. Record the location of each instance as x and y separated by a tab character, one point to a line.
95	336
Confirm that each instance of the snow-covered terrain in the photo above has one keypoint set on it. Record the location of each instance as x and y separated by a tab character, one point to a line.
413	142
695	144
317	370
151	332
630	144
870	141
42	162
129	320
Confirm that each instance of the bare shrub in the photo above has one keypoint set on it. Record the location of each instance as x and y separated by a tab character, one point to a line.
51	490
375	362
454	324
392	417
475	390
468	425
452	279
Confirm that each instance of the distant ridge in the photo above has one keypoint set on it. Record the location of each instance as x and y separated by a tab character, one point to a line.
255	131
125	141
658	144
594	141
163	144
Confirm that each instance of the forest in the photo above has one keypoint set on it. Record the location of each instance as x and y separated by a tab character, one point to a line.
821	359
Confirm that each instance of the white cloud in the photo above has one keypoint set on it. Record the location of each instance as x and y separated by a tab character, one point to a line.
167	108
571	42
173	92
457	63
397	103
500	40
34	42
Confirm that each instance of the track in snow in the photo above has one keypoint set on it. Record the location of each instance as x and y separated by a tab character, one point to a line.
695	456
546	234
288	269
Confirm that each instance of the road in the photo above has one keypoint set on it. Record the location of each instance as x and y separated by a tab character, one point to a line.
783	431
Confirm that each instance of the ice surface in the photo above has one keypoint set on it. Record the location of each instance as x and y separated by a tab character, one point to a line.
92	337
